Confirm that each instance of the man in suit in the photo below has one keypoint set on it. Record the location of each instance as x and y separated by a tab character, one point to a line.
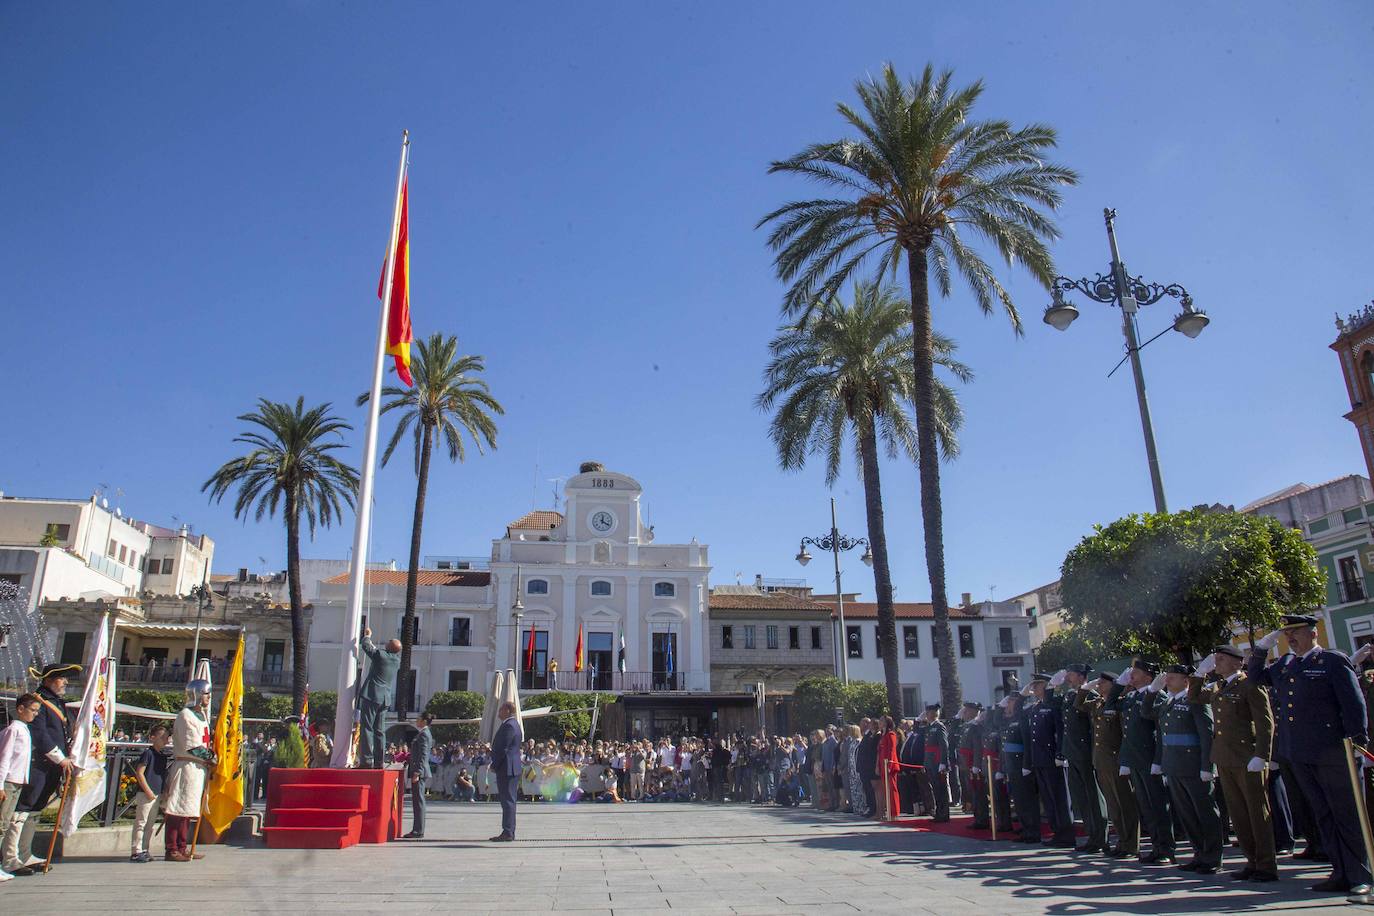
867	760
374	698
506	762
419	773
910	754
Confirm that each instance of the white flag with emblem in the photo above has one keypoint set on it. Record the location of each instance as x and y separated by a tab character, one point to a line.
91	732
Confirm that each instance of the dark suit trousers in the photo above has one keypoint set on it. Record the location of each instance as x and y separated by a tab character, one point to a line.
1248	801
1026	800
371	749
1193	803
507	788
1299	808
1054	793
1087	800
1279	811
417	805
1327	789
1152	800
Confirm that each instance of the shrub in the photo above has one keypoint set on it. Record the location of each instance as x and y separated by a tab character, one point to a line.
815	700
455	704
290	752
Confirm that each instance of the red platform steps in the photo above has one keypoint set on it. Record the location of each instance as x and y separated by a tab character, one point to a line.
331	809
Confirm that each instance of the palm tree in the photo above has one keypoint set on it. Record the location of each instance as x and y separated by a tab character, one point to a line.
921	180
446	399
290	465
847	368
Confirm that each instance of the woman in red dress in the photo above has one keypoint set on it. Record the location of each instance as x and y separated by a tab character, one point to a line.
885	772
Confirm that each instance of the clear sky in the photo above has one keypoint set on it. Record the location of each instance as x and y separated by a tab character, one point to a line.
195	207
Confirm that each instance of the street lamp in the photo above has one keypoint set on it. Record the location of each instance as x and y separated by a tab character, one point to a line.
517	610
835	542
1129	293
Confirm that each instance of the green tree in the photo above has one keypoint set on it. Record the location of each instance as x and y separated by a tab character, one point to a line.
920	179
1069	645
845	370
290	752
456	704
815	699
290	465
446	400
575	723
1181	581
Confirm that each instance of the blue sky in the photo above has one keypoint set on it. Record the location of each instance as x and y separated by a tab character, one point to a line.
196	207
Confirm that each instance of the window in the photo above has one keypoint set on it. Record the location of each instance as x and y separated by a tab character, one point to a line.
273	655
853	640
601	588
166	566
133	559
537	587
911	642
815	637
727	637
794	637
73	649
457	680
749	636
1006	642
965	642
61	532
123	553
911	700
113	549
460	634
665	590
772	635
1349	579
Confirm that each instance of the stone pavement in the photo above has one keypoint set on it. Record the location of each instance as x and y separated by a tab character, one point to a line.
628	859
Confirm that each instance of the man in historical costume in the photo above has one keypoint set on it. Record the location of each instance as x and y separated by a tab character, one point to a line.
374	698
192	759
50	739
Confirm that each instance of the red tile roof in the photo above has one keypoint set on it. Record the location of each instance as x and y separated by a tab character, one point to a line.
765	601
538	520
464	577
920	610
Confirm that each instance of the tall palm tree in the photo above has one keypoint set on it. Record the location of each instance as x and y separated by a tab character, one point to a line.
291	465
447	399
920	179
846	369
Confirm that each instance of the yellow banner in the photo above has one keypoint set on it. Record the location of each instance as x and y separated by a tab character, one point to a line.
224	800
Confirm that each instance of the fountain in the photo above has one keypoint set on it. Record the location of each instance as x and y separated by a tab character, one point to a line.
23	636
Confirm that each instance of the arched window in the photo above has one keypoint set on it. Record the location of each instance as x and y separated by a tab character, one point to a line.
665	590
1367	367
537	587
601	588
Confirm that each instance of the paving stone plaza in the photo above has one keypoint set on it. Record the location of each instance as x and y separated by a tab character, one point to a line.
630	859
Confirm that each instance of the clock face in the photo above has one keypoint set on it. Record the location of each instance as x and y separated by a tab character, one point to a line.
603	521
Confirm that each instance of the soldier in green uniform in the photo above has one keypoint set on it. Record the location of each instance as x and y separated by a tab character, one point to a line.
971	764
1140	762
1185	753
992	767
1101	704
1076	747
1242	746
1022	788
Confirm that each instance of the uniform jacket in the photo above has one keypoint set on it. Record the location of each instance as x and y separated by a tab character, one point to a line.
1184	745
992	742
1013	744
1243	721
505	748
1138	732
50	731
1105	713
1077	738
971	745
420	748
1318	703
1044	728
936	744
381	673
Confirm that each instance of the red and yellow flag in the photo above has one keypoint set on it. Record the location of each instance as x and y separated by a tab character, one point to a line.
579	659
398	334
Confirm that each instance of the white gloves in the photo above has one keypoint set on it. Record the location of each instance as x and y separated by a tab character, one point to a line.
943	768
1124	678
1058	677
1124	771
1157	684
1268	641
1164	779
1156	770
1255	765
1272	765
1025	772
1362	653
1025	691
976	771
1207	665
1004	702
1205	775
999	775
1061	762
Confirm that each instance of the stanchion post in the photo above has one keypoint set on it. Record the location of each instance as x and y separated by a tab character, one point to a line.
1363	812
992	797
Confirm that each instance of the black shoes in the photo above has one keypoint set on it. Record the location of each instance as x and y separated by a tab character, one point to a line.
1311	855
1116	852
1264	876
1157	858
502	838
413	836
1332	886
1245	874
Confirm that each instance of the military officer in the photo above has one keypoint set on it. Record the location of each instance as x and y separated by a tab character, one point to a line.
1184	751
1319	699
1044	725
993	726
956	774
1139	761
1242	746
937	762
50	745
1101	704
1019	782
1076	748
971	763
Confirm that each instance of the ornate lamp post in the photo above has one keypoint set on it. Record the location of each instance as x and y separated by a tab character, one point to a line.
1129	293
835	542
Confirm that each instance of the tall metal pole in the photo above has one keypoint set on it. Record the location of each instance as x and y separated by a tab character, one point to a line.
1133	350
839	595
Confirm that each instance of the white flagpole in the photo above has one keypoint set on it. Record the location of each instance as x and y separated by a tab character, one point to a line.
343	716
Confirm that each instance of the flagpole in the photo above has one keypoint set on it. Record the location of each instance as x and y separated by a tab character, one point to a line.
343	716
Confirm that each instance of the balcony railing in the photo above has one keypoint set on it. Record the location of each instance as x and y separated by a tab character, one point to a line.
1350	590
626	682
174	677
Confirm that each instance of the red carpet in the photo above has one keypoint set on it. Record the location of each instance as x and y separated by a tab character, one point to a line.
331	809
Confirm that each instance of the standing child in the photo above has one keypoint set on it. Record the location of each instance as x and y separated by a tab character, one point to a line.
15	753
150	772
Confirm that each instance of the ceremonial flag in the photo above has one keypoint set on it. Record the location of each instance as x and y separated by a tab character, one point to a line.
91	732
667	653
578	660
620	658
398	334
529	652
224	797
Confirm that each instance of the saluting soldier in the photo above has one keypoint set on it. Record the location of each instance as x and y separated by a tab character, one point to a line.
1102	705
1242	746
1076	747
50	744
1185	754
1139	761
971	762
1044	725
992	766
956	775
1019	780
1320	705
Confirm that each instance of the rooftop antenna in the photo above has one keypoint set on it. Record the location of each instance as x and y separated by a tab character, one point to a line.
557	492
739	577
992	593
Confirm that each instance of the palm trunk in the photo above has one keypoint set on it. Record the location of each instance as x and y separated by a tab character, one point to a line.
406	687
932	514
882	574
300	639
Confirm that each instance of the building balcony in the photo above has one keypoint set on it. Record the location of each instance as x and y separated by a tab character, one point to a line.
610	681
174	677
1350	590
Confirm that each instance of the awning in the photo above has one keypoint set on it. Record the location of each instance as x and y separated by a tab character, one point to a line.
181	630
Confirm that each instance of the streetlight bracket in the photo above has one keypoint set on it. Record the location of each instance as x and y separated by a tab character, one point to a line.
1102	288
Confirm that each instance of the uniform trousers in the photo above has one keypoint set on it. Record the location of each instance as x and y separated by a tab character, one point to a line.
978	795
1087	800
1026	800
1280	814
1120	798
1332	799
1152	800
1247	799
1001	804
1196	807
418	805
1055	796
1299	807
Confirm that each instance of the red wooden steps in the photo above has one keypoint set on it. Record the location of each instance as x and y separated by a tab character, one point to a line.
318	816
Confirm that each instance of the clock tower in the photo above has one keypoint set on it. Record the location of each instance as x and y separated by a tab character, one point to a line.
1354	345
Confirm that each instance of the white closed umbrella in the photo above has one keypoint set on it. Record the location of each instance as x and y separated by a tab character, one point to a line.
510	693
489	708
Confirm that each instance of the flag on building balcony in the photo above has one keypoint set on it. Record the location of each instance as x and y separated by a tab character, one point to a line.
398	333
620	657
579	660
91	732
667	653
529	652
224	796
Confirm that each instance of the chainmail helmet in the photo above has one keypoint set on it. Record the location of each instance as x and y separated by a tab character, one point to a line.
195	690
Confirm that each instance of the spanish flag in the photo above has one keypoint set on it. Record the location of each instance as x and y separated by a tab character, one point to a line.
224	798
580	659
398	334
